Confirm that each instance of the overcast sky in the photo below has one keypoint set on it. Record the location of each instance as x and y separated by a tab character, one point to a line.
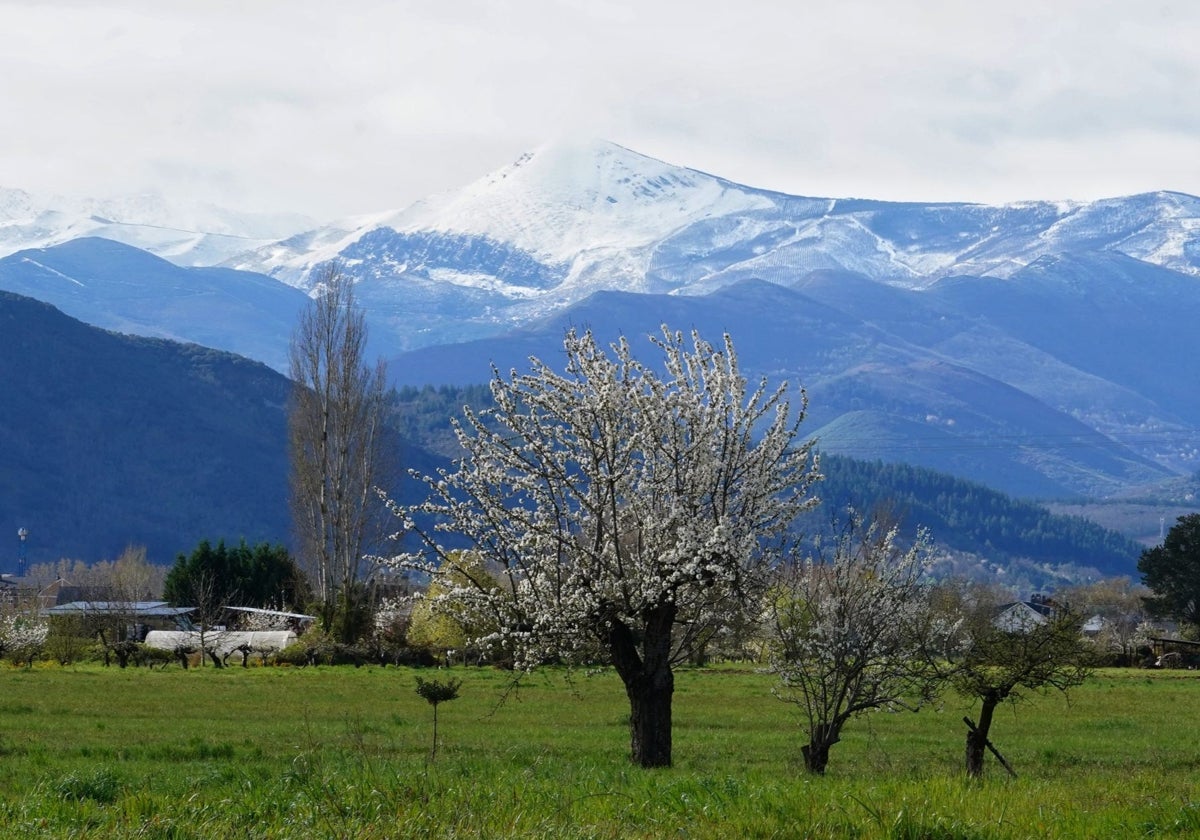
337	108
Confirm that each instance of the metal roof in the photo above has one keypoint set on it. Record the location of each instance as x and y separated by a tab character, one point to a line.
139	609
278	613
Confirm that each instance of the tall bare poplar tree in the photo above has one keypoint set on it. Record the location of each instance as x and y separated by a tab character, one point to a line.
335	424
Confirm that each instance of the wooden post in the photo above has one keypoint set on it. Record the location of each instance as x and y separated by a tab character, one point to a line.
987	743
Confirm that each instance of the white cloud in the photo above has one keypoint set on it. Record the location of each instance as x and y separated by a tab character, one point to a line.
350	107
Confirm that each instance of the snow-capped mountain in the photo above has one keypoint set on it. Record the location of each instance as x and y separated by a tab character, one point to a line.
569	220
186	233
1062	333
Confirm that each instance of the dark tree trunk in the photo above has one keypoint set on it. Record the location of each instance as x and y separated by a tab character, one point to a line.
649	684
650	719
816	751
977	738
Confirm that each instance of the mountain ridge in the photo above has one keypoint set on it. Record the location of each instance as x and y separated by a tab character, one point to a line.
934	316
188	233
115	286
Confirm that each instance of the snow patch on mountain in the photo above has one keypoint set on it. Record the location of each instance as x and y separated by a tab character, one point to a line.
53	272
186	233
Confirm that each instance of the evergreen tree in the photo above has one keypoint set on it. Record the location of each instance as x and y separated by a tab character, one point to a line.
1172	571
262	576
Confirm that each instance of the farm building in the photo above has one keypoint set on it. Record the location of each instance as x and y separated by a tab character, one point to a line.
247	631
254	618
130	620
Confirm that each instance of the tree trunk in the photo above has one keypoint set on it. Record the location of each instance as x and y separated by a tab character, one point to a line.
977	738
816	751
649	684
650	719
433	751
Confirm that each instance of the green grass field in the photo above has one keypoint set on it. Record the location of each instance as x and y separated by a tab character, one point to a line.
90	752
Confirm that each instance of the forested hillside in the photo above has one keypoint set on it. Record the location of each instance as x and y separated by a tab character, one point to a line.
969	517
963	516
423	415
108	440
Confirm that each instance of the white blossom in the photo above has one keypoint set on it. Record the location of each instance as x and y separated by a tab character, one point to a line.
625	511
855	632
22	636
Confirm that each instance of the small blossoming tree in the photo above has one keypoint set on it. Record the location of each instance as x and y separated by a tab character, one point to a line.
626	512
22	637
853	632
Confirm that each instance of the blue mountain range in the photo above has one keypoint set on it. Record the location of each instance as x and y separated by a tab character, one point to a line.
1047	349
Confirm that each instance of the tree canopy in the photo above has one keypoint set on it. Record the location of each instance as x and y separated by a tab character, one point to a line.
1172	571
626	511
263	576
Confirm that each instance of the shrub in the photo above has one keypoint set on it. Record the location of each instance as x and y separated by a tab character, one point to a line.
67	650
294	654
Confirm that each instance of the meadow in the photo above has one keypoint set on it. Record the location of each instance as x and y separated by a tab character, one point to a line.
89	752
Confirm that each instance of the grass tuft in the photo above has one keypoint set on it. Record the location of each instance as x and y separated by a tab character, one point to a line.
99	785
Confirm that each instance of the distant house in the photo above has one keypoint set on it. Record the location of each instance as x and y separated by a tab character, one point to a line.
61	591
1094	626
1023	616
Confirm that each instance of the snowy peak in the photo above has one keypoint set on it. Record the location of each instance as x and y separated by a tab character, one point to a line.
570	219
596	215
15	205
568	198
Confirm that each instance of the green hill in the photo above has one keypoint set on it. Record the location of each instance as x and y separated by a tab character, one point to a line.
108	440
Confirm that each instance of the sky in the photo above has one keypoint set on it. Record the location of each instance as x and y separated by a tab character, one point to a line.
333	109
